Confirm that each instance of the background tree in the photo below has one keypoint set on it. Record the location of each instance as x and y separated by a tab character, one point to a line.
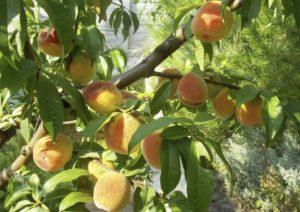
46	104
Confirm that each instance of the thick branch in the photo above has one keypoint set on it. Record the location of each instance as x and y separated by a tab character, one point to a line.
146	67
176	76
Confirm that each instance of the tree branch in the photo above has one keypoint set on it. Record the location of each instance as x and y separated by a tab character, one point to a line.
146	67
176	76
25	154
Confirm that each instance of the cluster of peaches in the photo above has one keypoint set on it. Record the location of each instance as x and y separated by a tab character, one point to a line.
112	189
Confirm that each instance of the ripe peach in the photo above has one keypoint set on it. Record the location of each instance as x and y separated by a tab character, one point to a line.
151	149
103	97
162	80
50	156
82	69
49	43
192	90
112	191
208	25
118	132
223	106
249	113
97	168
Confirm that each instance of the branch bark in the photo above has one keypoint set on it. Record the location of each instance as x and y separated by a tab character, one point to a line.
25	154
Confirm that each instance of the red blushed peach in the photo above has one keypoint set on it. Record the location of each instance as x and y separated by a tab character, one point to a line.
112	191
192	90
81	68
208	25
118	132
223	106
249	113
50	156
151	150
162	80
103	97
49	43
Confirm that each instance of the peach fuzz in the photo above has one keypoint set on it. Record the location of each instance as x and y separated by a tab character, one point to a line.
208	25
162	80
103	97
49	43
249	113
112	191
82	69
223	106
192	90
50	156
151	149
118	132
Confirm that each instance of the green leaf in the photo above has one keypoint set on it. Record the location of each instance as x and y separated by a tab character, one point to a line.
182	12
117	21
119	59
20	205
4	45
178	202
203	118
73	198
208	50
95	125
17	23
146	129
160	97
50	106
126	25
244	94
14	76
296	12
142	196
273	118
199	182
72	96
16	195
249	11
105	66
219	152
135	21
63	177
170	166
92	40
175	133
62	15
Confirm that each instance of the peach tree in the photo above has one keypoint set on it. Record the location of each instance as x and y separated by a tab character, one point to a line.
92	131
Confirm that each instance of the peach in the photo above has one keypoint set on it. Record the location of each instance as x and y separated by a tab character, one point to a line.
208	25
81	68
192	90
49	42
151	149
118	132
223	106
249	113
97	168
112	191
50	156
162	80
103	97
